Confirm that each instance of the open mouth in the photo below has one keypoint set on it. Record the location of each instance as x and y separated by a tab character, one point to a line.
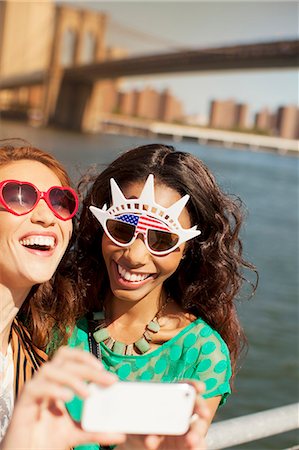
42	243
130	276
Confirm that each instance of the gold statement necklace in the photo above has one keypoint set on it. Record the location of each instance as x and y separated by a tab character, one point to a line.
142	345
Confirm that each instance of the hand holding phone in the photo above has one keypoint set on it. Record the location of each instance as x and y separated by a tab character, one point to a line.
139	408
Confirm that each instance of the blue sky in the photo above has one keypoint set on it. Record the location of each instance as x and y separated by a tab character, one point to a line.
156	26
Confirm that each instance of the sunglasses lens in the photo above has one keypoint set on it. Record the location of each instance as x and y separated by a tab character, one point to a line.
160	241
120	231
19	197
63	202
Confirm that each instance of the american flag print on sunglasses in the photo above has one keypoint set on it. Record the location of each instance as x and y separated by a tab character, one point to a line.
126	218
142	223
124	229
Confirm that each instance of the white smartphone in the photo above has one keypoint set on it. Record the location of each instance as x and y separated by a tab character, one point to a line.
139	408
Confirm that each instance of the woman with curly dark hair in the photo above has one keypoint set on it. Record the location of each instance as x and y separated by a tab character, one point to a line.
160	263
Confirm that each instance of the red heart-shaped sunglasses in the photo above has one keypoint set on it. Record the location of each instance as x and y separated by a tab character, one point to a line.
21	197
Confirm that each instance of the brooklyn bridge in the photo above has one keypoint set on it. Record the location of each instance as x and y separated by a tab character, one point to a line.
71	86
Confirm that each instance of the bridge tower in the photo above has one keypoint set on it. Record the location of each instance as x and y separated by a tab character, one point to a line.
39	40
79	38
26	33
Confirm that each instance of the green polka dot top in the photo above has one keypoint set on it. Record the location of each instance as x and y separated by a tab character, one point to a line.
197	352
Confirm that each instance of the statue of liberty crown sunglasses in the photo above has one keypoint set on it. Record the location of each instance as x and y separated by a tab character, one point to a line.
126	219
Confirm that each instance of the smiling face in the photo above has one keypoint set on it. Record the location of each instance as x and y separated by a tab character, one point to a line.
134	272
31	245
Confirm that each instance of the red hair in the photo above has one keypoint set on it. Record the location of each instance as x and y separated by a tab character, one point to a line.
52	307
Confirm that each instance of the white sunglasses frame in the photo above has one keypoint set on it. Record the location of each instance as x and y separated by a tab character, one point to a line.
136	234
145	205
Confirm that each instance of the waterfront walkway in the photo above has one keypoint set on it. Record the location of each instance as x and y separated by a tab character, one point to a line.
255	142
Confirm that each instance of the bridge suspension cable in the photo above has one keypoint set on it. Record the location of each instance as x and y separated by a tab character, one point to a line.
115	27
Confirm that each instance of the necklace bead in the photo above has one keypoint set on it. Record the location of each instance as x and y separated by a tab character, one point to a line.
153	326
119	348
101	335
142	345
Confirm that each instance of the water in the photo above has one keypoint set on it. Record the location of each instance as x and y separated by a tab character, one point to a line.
267	183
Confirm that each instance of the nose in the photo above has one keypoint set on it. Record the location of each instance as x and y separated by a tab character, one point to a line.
137	253
42	214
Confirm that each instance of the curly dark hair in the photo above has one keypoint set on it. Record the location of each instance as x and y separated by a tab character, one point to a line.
210	276
51	309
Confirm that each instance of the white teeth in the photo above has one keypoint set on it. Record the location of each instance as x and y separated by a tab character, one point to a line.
128	276
47	241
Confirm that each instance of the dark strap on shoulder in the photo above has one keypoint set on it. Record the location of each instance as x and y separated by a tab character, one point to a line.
94	347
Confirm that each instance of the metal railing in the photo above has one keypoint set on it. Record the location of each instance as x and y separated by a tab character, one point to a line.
252	427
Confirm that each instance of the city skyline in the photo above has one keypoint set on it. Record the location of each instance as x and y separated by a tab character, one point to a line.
149	103
235	100
205	25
